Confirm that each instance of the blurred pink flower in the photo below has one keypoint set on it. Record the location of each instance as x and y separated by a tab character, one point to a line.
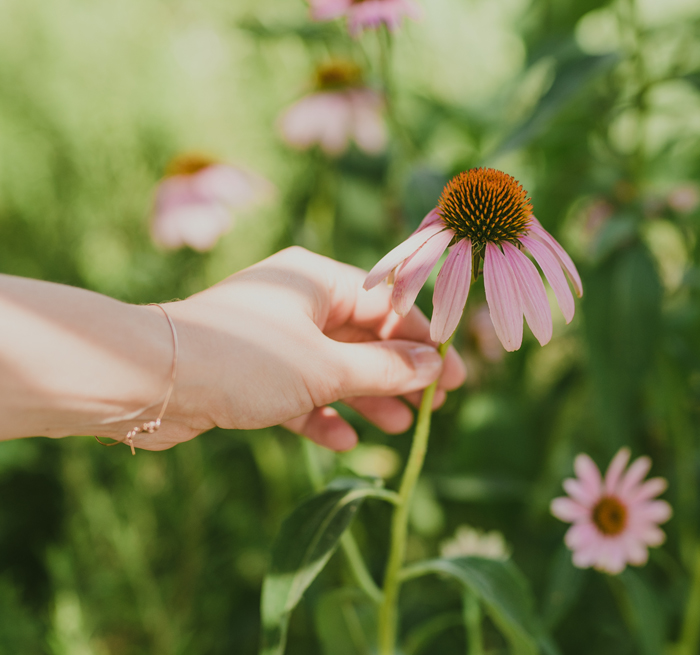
193	202
340	110
364	14
684	198
614	519
483	214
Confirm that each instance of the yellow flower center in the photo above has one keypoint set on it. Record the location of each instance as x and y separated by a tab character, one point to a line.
188	163
485	205
610	516
338	74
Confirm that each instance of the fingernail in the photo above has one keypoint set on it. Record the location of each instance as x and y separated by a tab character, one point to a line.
427	362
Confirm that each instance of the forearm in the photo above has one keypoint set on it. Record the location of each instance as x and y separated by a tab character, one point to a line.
76	362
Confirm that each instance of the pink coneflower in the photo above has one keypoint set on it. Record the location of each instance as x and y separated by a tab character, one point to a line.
485	215
193	202
364	14
340	109
614	519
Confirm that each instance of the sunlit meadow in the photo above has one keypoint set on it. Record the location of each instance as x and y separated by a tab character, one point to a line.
592	106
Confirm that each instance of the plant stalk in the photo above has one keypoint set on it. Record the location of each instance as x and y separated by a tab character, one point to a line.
399	525
690	631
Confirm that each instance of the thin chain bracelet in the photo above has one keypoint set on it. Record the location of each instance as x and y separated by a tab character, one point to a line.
151	426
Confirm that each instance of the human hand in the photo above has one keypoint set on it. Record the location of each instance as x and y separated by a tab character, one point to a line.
279	341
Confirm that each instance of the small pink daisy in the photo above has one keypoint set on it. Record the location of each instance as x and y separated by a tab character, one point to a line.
193	202
340	110
614	519
365	14
484	215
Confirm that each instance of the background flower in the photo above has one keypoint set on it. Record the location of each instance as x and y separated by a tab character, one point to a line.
364	14
193	203
340	110
615	518
468	541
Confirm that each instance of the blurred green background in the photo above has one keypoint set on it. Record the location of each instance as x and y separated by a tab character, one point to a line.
594	106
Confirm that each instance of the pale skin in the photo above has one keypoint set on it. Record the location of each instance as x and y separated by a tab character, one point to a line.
273	344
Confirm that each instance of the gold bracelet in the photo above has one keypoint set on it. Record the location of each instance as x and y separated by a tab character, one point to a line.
151	426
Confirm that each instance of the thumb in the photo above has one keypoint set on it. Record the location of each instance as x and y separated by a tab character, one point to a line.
385	368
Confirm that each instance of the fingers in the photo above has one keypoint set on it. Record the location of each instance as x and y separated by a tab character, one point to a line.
388	414
382	368
325	427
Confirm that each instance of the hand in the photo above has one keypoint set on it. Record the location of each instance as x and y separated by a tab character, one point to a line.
279	341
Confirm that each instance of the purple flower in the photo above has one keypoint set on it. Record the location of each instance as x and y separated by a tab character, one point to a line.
484	215
340	110
615	519
364	14
193	202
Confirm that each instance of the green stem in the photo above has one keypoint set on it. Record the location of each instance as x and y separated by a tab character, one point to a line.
690	632
472	621
399	524
356	563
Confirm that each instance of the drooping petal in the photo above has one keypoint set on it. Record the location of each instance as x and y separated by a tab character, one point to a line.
416	270
451	291
615	470
532	292
431	217
552	270
561	254
589	476
368	125
328	9
403	251
503	297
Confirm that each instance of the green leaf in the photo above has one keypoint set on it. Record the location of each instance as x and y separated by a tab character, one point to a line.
644	613
571	78
564	589
306	541
346	622
504	592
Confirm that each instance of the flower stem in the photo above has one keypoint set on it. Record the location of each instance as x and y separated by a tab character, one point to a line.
472	621
399	525
690	632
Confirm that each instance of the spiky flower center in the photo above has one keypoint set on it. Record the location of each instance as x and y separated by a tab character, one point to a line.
189	163
485	205
610	516
338	74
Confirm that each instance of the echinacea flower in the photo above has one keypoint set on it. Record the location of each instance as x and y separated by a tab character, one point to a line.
365	14
615	518
484	215
194	201
340	109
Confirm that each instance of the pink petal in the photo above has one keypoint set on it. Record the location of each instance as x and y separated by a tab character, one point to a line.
615	470
581	535
328	9
451	291
197	225
532	292
612	556
561	254
651	535
637	552
648	490
230	185
569	510
396	256
657	511
552	270
635	474
589	475
584	558
503	297
368	125
416	270
578	491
